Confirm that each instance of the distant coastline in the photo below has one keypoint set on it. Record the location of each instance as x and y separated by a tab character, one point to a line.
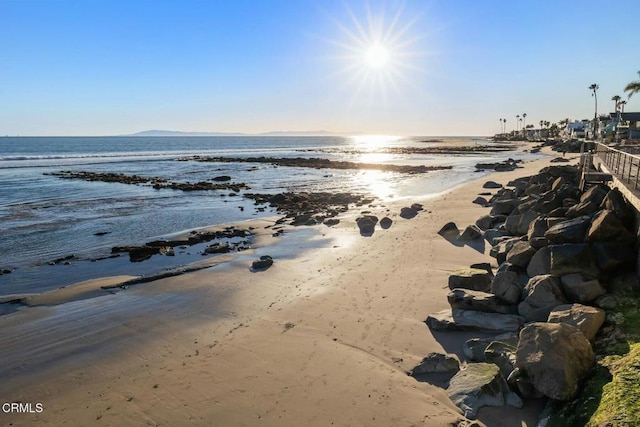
158	132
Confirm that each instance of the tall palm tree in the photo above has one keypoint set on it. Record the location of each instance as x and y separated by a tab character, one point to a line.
616	99
622	104
594	88
524	125
517	120
633	87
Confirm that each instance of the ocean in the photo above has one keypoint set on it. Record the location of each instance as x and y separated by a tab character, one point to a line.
44	218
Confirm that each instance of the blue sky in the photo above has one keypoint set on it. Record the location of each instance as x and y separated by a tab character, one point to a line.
89	67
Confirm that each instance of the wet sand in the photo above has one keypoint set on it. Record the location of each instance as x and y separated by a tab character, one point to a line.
323	338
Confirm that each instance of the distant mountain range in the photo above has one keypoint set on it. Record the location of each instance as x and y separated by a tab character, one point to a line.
157	132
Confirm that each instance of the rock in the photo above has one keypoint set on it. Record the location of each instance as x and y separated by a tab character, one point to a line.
385	223
607	302
506	286
472	232
541	295
614	201
408	213
570	231
472	278
489	221
586	319
474	348
217	248
521	254
417	207
330	222
492	235
366	225
465	299
491	184
573	258
503	355
577	289
613	255
555	357
434	363
501	250
606	227
263	263
222	178
457	320
589	202
540	262
518	381
503	207
450	231
483	266
481	201
478	385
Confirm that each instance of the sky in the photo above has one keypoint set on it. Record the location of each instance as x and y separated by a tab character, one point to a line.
414	67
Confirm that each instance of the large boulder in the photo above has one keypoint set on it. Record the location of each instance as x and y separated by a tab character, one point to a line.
470	233
474	348
503	206
579	289
465	299
555	357
460	320
478	385
614	201
589	202
606	227
540	262
573	258
570	231
470	278
542	294
502	354
436	363
520	254
613	255
486	222
493	235
506	286
450	231
583	317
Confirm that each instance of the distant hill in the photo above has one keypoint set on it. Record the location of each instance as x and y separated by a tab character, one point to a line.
157	132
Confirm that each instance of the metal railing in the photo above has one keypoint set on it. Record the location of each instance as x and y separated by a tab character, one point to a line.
624	165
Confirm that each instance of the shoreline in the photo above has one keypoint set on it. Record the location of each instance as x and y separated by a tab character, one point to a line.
332	331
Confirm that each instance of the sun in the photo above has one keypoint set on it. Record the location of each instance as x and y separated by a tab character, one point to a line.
377	56
380	52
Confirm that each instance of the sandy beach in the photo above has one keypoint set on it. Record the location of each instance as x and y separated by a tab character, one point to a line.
324	338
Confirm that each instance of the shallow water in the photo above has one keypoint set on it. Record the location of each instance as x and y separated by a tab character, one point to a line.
44	218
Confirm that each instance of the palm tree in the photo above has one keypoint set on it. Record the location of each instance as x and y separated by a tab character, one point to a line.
517	120
594	88
616	99
633	87
622	104
524	117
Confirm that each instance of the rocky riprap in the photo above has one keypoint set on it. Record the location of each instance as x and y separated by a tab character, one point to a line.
559	252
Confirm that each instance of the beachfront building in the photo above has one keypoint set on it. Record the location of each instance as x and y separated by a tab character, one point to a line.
622	127
577	129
